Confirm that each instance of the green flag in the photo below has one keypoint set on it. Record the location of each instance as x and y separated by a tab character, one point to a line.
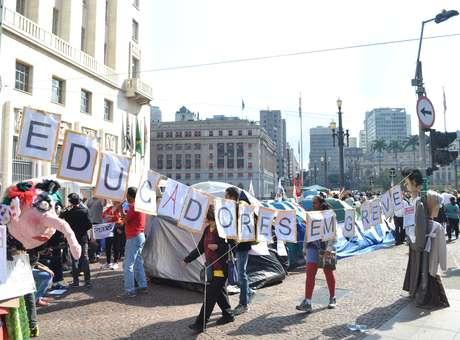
138	138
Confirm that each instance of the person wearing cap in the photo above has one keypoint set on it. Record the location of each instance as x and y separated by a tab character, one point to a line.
77	217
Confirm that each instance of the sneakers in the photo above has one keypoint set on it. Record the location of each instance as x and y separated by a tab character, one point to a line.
305	306
240	309
130	294
114	266
88	285
225	319
332	303
142	290
74	285
34	332
106	266
196	327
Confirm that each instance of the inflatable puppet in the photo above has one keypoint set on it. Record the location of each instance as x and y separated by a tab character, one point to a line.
28	209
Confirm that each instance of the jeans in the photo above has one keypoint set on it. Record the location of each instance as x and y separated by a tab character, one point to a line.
81	264
29	300
216	292
42	281
133	264
242	258
452	226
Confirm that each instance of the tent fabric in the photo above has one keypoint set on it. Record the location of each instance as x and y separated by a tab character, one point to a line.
315	187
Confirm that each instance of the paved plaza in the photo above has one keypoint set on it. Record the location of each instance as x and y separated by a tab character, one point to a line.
368	290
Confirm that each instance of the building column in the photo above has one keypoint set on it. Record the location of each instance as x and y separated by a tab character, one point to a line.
96	29
71	22
6	168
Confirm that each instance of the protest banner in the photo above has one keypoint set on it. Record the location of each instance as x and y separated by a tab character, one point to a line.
193	215
38	135
397	196
78	157
376	213
264	224
320	225
103	230
3	272
146	199
348	229
286	226
173	199
246	225
386	202
226	220
112	181
365	215
19	279
330	225
409	216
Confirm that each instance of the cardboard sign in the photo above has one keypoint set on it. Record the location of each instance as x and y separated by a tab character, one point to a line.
386	202
264	224
3	272
348	229
19	279
286	226
409	216
103	230
173	199
246	226
194	212
226	220
112	181
376	213
366	215
397	196
314	225
146	198
78	157
330	225
38	135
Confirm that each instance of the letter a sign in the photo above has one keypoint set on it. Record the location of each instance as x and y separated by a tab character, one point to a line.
78	157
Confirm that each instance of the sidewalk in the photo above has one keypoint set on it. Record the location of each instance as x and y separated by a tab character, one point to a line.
415	323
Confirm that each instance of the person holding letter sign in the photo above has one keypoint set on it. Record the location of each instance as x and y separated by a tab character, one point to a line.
312	254
215	250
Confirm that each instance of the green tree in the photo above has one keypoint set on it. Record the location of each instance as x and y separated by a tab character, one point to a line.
379	145
395	146
411	144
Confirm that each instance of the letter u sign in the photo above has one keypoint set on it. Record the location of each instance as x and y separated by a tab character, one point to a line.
112	181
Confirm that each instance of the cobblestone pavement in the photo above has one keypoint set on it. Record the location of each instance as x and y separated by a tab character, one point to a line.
368	289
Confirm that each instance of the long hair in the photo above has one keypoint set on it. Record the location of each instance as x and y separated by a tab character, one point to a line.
322	203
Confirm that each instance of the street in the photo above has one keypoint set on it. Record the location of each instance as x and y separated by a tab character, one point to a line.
368	293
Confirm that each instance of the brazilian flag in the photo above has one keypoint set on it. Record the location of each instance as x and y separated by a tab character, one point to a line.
138	139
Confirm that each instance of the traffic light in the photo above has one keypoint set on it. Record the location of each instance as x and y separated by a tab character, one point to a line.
440	153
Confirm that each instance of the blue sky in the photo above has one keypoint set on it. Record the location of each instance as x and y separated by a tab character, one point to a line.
187	32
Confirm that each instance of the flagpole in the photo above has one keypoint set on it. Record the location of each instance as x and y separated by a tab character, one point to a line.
445	108
301	137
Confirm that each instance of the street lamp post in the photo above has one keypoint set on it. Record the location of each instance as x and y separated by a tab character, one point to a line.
340	138
420	90
325	160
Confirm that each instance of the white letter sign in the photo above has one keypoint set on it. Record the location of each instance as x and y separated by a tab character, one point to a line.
387	204
366	215
286	226
376	215
315	226
397	196
194	212
348	230
246	227
264	224
38	135
225	211
173	199
146	198
112	181
330	227
78	157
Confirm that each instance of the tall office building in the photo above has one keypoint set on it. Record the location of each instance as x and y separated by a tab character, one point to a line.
353	142
275	126
78	58
362	139
323	154
155	115
224	149
387	124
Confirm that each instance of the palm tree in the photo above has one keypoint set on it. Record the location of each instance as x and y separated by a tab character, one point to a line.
379	145
395	146
412	143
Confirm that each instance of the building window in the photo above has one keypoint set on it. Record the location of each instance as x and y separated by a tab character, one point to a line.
159	134
169	134
249	154
85	101
108	110
197	146
169	162
159	146
249	132
169	147
220	174
57	90
230	175
220	155
249	165
240	174
22	168
187	176
211	165
188	133
211	146
197	176
178	176
210	156
249	145
240	163
23	73
230	133
135	68
211	175
160	162
240	132
197	161
21	7
178	147
178	161
136	3
197	133
188	146
221	133
135	35
211	133
250	174
188	161
178	134
55	24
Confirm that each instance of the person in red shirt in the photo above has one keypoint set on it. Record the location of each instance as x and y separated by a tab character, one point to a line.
215	251
133	264
112	214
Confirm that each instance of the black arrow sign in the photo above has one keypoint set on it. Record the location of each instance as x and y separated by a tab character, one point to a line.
426	112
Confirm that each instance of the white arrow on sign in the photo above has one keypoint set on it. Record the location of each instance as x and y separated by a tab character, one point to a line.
425	112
